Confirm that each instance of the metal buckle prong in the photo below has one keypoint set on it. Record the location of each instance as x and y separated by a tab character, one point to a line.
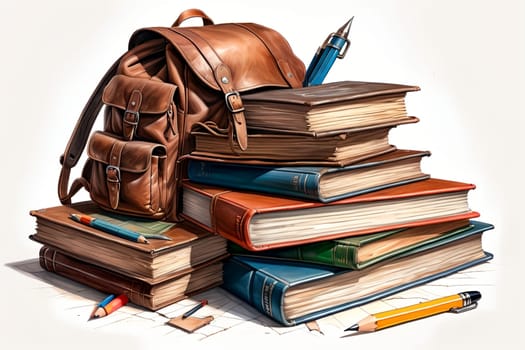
228	103
116	169
135	113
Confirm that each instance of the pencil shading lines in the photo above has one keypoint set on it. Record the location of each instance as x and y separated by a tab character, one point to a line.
404	301
29	266
160	329
281	330
152	316
226	322
57	285
331	325
114	322
232	316
210	330
458	285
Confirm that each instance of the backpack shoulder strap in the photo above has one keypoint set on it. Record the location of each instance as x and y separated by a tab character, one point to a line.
78	139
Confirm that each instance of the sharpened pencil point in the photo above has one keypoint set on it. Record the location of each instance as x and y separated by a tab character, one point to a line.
355	327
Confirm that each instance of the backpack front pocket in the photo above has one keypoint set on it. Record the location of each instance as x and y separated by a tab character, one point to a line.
140	109
128	176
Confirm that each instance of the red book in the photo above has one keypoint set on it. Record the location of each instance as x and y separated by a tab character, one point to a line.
258	221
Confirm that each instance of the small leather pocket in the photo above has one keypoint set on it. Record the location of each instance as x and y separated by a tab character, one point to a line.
130	101
128	176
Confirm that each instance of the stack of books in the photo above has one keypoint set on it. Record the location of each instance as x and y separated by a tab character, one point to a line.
321	213
179	260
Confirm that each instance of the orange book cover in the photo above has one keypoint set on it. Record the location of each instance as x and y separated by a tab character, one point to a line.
259	221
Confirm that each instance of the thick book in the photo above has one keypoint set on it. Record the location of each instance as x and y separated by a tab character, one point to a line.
325	184
284	147
359	252
327	107
297	292
188	245
258	221
186	283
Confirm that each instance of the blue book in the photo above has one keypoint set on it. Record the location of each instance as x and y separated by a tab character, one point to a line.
295	292
324	184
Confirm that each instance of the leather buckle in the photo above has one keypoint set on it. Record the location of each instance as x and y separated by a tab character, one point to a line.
228	103
112	173
134	113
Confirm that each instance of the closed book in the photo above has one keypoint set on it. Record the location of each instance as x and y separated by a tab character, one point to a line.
338	148
295	292
358	252
327	107
188	245
324	184
185	283
258	221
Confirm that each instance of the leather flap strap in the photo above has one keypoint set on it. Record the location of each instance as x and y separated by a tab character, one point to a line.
221	72
223	77
132	115
113	173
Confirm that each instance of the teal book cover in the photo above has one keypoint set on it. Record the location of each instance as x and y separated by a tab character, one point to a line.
319	183
279	288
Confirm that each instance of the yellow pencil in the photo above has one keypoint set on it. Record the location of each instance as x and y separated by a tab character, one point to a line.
390	318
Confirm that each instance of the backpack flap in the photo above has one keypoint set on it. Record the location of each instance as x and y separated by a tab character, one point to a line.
230	58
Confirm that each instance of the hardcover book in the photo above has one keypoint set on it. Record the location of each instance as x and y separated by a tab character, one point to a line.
296	292
327	107
155	262
359	252
185	283
284	147
324	184
258	221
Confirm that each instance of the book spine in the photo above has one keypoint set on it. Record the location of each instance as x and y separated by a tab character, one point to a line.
261	291
254	178
334	254
92	276
326	253
223	217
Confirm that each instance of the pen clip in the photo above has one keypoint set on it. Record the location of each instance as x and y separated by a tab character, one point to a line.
458	310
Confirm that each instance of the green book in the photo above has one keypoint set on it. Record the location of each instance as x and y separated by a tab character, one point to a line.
358	252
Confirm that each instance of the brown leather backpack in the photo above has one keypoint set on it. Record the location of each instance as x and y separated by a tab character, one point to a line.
170	79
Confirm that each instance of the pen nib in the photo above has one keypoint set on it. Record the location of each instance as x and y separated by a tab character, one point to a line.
345	29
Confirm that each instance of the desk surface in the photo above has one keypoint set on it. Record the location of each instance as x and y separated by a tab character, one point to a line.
59	309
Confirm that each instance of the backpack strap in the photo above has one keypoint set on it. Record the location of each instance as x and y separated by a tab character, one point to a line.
78	139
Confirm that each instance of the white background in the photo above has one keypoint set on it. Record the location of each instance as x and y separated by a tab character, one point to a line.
467	57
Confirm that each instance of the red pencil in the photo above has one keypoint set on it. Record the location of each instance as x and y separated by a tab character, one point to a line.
113	305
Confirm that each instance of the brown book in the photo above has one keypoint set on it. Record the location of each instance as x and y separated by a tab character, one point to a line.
257	221
151	296
327	107
284	147
155	262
